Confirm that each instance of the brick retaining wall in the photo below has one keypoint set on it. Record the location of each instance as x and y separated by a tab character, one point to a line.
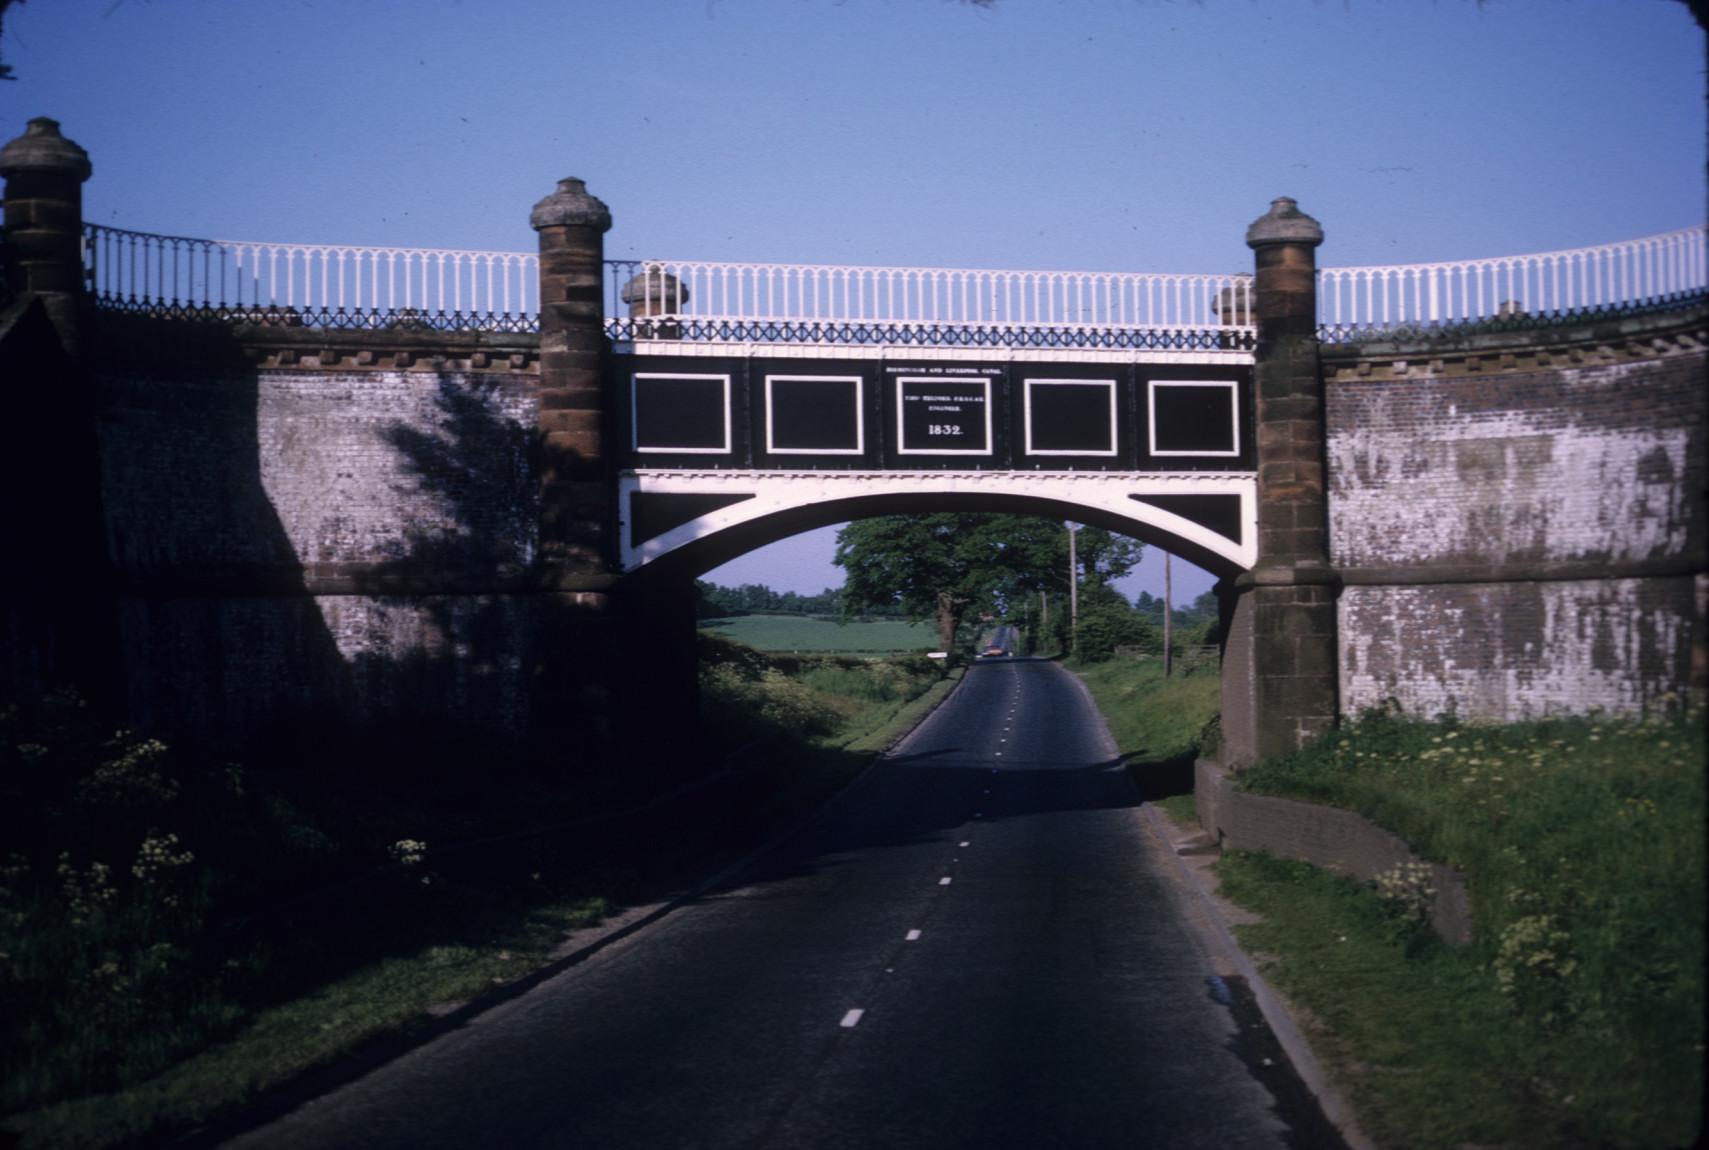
1518	518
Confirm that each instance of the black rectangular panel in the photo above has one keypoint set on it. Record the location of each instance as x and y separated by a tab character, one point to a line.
681	413
677	411
814	415
1070	416
1193	417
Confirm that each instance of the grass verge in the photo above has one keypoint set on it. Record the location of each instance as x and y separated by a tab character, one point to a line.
1160	725
1575	1016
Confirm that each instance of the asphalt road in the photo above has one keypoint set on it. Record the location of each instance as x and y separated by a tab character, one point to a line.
978	945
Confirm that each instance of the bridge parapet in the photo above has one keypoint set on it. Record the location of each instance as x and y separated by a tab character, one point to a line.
1510	293
350	286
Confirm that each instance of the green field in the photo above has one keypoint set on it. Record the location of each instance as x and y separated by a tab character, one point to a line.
805	633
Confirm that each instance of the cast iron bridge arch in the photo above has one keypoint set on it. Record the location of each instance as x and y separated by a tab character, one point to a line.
754	401
723	447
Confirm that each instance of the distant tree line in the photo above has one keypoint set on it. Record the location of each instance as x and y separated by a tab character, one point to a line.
716	602
1197	614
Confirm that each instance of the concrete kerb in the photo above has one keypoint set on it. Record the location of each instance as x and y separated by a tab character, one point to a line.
1180	846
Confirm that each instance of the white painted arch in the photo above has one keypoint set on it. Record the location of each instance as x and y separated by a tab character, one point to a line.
783	503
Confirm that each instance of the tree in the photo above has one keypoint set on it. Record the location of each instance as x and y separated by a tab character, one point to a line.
1107	622
942	565
1105	556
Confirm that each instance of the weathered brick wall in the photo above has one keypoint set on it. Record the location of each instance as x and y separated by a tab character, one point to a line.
1505	650
381	467
1518	517
328	543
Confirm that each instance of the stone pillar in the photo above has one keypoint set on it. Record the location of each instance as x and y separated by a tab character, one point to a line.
577	524
1282	634
44	175
613	666
58	620
575	637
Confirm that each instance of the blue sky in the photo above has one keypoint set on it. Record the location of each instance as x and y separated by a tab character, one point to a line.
1129	135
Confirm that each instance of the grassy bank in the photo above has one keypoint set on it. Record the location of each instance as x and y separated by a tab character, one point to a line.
1575	1017
178	938
1160	725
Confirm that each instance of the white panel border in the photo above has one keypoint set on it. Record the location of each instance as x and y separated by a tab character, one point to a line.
860	416
1151	386
1027	416
635	414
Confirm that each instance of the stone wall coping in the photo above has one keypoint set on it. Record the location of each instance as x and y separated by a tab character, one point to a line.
1444	343
313	348
1340	841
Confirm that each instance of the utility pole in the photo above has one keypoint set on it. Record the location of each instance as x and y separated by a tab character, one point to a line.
1073	591
1168	620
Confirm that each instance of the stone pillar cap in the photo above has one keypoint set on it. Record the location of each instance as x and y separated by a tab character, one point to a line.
1284	223
42	149
570	206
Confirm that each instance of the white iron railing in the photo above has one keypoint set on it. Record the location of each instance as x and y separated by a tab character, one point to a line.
1630	274
337	285
739	295
351	286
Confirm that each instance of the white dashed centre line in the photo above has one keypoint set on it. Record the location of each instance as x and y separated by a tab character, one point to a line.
945	880
851	1019
963	844
912	936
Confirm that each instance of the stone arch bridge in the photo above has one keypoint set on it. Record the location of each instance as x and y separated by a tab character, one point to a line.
275	487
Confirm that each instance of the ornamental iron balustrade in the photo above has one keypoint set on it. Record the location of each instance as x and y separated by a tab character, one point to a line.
841	332
311	285
350	287
1512	292
695	300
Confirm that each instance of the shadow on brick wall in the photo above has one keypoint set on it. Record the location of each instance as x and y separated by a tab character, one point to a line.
449	681
219	642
